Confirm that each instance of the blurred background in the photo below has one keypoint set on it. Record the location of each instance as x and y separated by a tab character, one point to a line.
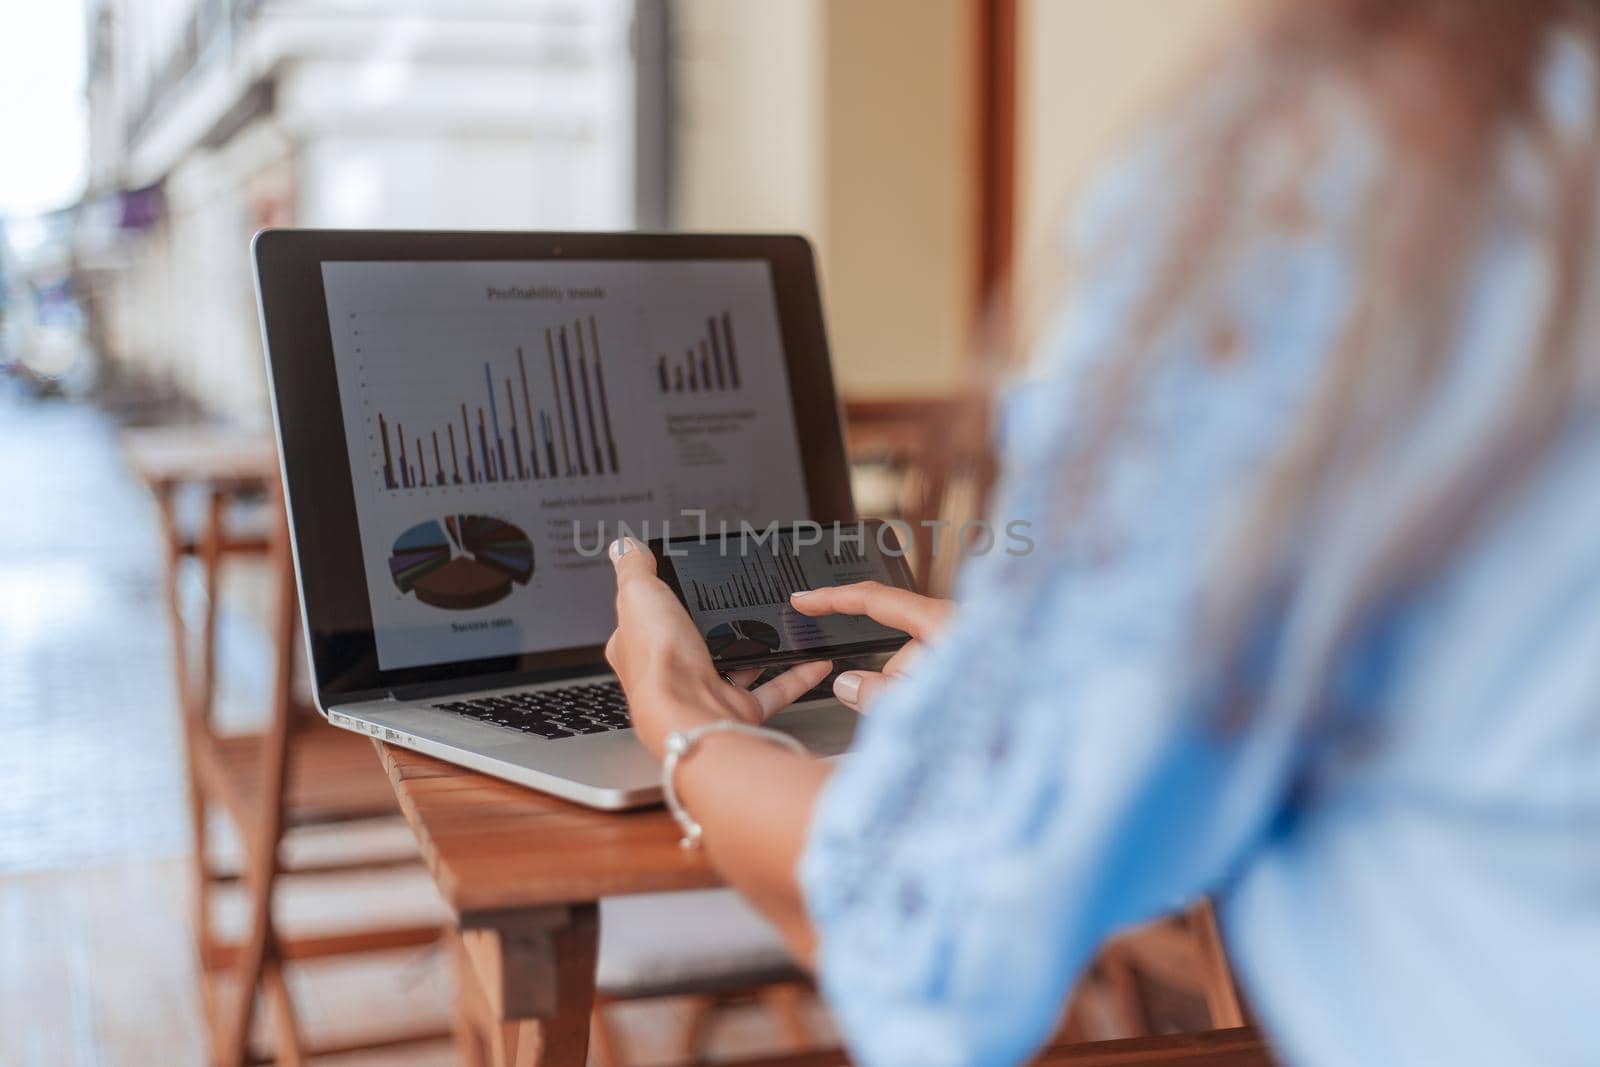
927	147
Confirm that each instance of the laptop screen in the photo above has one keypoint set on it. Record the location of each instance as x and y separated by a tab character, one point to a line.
503	417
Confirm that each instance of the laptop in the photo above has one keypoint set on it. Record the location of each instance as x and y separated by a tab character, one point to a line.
466	419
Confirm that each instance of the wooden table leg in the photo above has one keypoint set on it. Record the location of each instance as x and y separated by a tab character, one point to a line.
535	974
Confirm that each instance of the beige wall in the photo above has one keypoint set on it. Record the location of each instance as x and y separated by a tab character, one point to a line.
851	120
899	180
1089	71
747	133
846	120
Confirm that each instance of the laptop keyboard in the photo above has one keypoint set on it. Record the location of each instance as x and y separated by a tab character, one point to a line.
551	713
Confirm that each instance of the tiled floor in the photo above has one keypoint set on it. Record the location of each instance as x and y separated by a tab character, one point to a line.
95	950
90	755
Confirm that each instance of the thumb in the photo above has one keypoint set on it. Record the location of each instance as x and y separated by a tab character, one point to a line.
630	559
857	689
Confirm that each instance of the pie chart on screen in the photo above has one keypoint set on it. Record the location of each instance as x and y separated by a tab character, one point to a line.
461	562
742	637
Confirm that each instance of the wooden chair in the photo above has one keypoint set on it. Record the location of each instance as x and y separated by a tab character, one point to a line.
1127	989
296	772
1183	953
707	945
901	469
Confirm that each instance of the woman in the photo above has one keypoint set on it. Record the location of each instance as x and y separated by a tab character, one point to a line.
1313	622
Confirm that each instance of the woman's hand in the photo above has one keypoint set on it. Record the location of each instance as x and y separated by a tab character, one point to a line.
920	616
665	669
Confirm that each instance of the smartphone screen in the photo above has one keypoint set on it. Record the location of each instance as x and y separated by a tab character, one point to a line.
737	589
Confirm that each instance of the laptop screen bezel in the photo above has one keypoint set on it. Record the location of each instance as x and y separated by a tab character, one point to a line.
318	485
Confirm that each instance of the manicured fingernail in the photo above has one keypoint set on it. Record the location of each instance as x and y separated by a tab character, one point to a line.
619	546
847	687
801	593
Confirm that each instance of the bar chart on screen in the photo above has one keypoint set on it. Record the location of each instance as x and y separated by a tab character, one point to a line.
710	363
761	577
534	416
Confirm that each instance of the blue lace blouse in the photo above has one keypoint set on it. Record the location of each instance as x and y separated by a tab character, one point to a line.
1423	889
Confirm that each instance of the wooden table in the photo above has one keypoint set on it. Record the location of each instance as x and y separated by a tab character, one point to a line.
199	455
522	874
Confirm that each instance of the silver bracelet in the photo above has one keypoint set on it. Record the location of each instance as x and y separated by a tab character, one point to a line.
680	743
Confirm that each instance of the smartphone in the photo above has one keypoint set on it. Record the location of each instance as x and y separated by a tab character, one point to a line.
736	588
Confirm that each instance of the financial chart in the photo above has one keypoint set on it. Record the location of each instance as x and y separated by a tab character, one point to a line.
738	591
461	562
525	448
547	402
